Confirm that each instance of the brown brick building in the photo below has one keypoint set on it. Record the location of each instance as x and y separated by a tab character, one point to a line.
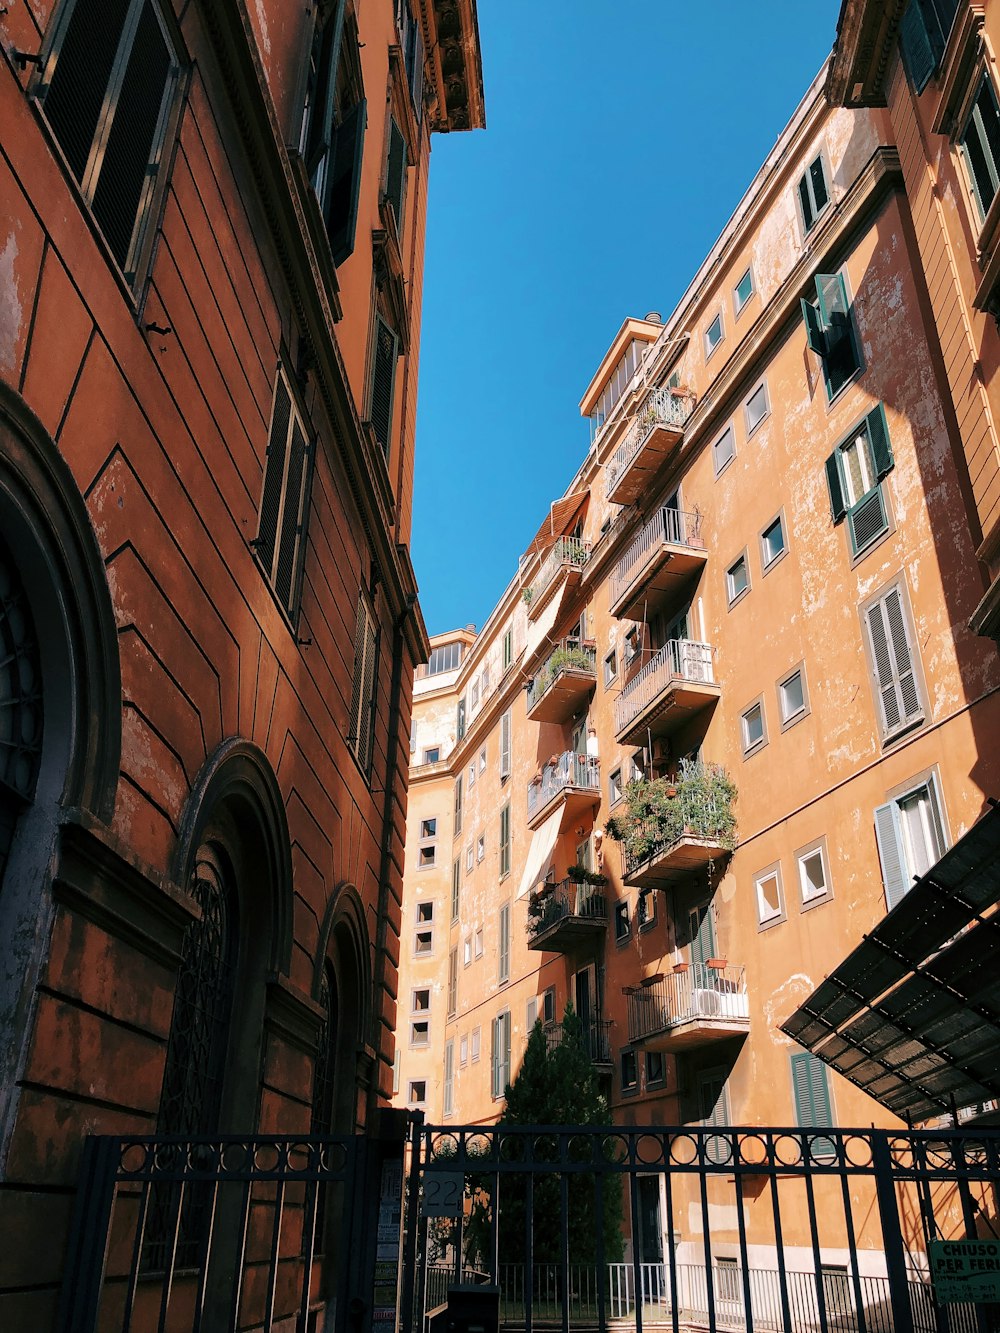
211	251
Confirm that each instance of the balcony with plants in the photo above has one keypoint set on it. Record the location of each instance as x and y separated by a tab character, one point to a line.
659	563
564	917
570	782
656	431
560	567
677	682
695	1005
673	826
563	683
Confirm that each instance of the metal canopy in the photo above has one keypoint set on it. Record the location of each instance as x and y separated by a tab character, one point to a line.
912	1015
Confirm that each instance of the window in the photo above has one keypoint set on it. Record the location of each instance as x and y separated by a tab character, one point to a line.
432	755
411	44
427	847
656	1071
460	719
923	35
910	833
854	472
629	1071
475	1042
423	942
420	1000
793	701
892	664
610	668
505	724
418	1093
753	729
469	859
458	806
645	908
107	88
446	658
420	1032
756	407
394	191
813	1105
480	847
456	890
813	193
449	1077
482	761
723	450
475	693
467	951
453	982
501	1054
615	789
395	1073
479	942
830	332
737	579
463	1049
772	543
713	1111
980	142
284	501
503	951
472	775
713	335
743	291
814	874
361	736
622	926
505	841
508	648
333	127
770	901
627	365
547	1006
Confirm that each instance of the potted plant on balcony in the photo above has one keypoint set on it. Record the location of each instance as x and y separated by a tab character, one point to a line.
718	964
701	805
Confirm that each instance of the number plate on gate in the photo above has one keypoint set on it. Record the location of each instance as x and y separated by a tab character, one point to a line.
443	1193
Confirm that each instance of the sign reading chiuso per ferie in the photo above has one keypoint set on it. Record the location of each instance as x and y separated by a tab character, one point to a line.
965	1270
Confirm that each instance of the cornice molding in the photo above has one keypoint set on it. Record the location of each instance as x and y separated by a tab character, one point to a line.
866	36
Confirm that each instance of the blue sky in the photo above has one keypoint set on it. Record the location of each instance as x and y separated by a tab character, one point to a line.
620	136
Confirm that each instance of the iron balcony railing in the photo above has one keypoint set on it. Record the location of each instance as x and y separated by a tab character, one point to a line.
568	899
701	813
571	552
568	770
678	659
667	525
663	407
570	655
683	997
595	1037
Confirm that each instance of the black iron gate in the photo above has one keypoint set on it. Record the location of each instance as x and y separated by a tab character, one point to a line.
686	1227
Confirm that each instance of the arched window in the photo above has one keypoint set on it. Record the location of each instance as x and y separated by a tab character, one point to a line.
20	702
321	1120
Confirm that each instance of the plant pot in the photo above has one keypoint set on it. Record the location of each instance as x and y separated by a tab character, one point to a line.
717	963
670	792
681	967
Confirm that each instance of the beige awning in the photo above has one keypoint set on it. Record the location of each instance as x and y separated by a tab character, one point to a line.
540	630
562	516
543	842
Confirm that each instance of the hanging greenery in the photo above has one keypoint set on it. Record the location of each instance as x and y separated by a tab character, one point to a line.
698	801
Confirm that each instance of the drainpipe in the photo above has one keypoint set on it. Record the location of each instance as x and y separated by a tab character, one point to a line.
385	854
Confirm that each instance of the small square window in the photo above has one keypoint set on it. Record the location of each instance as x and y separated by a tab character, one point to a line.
615	789
743	290
424	942
656	1068
772	543
480	847
475	1042
757	407
463	1050
792	701
724	450
814	877
428	828
645	909
467	950
469	859
482	761
753	729
425	857
813	193
610	668
629	1071
421	1000
418	1093
713	335
420	1033
425	911
432	755
479	942
770	904
737	579
622	927
472	775
547	1005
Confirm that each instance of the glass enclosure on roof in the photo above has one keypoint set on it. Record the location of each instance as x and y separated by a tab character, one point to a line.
628	364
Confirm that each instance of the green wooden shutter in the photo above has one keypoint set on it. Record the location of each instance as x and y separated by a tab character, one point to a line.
891	854
383	385
838	507
817	177
395	173
495	1088
505	745
343	182
321	95
814	328
878	438
458	805
505	840
288	537
456	890
915	45
813	1106
417	71
831	294
804	200
274	476
366	739
503	963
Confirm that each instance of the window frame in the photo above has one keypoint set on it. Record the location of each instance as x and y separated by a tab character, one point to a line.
616	788
773	871
738	305
898	875
809	224
760	385
718	467
754	747
804	853
888	733
630	1088
709	346
269	560
880	462
733	597
412	1100
768	563
622	916
420	1041
655	1080
610	668
981	211
793	718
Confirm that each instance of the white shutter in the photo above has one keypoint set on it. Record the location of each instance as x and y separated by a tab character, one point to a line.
505	745
892	855
892	659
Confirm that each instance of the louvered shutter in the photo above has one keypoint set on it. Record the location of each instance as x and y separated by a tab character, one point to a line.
357	684
899	638
878	438
449	1078
893	662
383	382
417	71
495	1089
915	44
814	327
274	476
319	131
837	506
503	965
891	854
813	1107
288	537
125	177
804	200
868	520
460	719
395	173
504	1051
458	805
505	840
343	182
505	745
367	738
817	176
78	76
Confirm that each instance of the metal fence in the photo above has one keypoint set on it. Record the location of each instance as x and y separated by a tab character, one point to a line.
673	526
595	1037
699	993
568	656
566	770
566	551
678	659
663	407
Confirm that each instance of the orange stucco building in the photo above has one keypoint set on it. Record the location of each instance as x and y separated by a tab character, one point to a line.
737	679
211	264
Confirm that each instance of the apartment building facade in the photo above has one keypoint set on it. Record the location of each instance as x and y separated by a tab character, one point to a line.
212	262
730	705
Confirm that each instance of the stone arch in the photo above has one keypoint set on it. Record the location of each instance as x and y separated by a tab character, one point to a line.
345	948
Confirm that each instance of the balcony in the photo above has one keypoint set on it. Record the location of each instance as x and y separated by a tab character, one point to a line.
562	565
653	435
564	917
562	685
570	781
595	1036
660	559
673	826
675	683
693	1007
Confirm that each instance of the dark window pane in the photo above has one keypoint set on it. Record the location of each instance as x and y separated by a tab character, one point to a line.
80	79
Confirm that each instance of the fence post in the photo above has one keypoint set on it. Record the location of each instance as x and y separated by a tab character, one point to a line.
90	1229
892	1235
412	1216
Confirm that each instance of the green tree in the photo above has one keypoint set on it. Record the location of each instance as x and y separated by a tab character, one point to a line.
556	1086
